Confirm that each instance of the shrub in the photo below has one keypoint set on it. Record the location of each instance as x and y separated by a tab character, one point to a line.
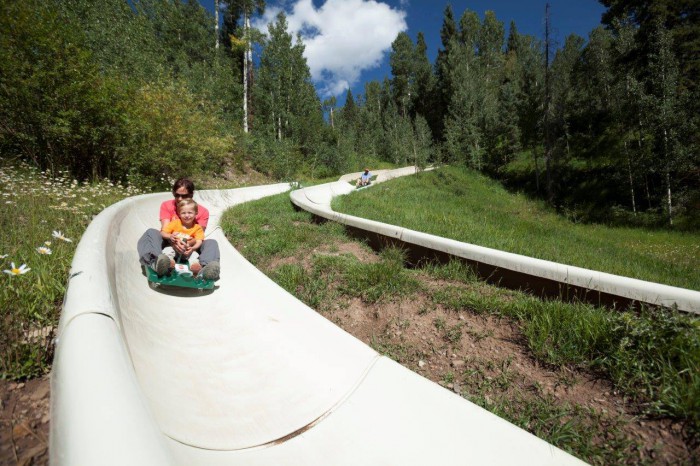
169	136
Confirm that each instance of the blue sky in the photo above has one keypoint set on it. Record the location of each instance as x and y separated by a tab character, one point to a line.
348	41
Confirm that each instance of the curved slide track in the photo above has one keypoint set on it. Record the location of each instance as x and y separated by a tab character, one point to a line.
244	374
317	200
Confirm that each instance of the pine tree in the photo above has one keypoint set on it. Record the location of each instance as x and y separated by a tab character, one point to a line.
490	61
403	64
531	98
369	128
422	142
425	81
290	108
448	36
464	140
563	108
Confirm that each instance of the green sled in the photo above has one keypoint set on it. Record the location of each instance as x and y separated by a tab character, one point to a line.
179	280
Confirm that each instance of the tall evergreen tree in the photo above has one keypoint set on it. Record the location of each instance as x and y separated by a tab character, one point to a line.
490	60
513	42
470	30
370	134
290	108
562	108
507	134
422	142
490	46
592	86
403	64
425	81
349	109
627	112
531	98
448	36
680	17
464	139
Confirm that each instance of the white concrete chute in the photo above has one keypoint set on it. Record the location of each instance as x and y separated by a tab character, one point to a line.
99	414
601	282
245	374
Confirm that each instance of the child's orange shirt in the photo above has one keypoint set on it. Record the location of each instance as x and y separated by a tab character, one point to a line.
175	226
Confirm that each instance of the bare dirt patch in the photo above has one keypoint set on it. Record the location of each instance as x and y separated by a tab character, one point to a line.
361	252
231	176
485	359
24	422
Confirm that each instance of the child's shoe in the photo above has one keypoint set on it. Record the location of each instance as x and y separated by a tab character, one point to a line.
195	268
211	271
162	266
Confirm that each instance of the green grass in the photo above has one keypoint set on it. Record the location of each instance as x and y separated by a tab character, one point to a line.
32	206
652	356
270	227
466	206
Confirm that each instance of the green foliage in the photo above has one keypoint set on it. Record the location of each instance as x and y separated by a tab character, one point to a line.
279	159
169	136
34	205
311	288
260	229
654	354
573	428
59	111
383	280
288	107
68	103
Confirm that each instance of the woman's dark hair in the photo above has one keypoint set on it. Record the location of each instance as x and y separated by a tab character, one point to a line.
184	183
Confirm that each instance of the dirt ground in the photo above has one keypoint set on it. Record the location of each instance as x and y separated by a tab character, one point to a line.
476	356
485	357
24	422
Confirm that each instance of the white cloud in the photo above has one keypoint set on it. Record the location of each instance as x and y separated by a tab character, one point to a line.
342	37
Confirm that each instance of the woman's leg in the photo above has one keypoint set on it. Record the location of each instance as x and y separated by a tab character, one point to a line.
209	252
149	246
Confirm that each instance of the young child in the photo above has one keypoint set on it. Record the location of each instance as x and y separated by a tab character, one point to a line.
184	228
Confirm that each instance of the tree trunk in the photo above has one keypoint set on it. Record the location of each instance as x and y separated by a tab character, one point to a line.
537	170
629	171
668	196
247	62
216	22
668	180
547	102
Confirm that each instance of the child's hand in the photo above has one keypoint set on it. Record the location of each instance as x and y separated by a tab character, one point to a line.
178	245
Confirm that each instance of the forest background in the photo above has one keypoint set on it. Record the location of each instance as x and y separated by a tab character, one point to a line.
143	91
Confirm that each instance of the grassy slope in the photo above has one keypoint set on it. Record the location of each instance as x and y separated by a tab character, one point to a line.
651	356
466	206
